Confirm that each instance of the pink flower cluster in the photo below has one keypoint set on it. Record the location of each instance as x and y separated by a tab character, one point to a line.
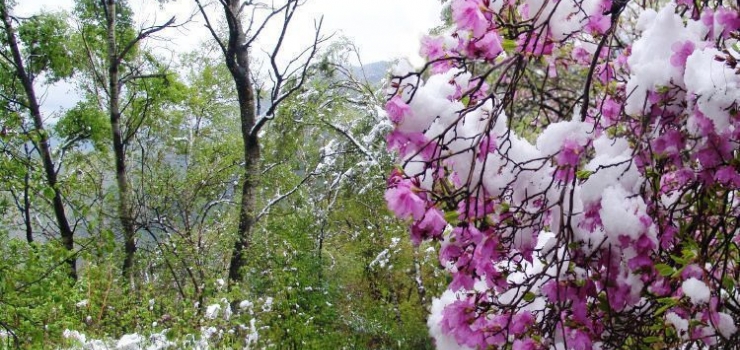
585	215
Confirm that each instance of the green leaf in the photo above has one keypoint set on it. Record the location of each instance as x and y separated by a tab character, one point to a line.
583	174
662	309
678	260
509	45
664	270
48	192
451	217
466	100
529	297
736	47
728	282
504	207
652	339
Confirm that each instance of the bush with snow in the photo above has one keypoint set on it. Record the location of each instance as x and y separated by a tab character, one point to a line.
578	161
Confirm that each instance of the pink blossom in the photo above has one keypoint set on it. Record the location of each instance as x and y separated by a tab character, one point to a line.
708	157
578	339
670	143
598	23
524	10
581	55
524	344
442	66
667	239
432	225
449	253
605	73
484	255
682	50
704	125
692	270
729	20
474	208
727	175
487	145
621	61
553	291
535	45
674	180
468	14
521	322
456	321
610	109
707	17
661	287
405	143
671	162
570	153
478	89
638	262
397	109
645	244
489	47
462	280
404	202
432	47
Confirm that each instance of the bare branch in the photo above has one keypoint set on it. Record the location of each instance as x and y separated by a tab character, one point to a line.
210	27
279	198
354	141
143	34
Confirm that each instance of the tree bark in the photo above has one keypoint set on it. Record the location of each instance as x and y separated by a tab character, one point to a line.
27	199
125	207
42	142
237	60
237	55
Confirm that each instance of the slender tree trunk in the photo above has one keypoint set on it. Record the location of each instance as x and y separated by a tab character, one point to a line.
238	60
42	142
125	208
237	55
27	198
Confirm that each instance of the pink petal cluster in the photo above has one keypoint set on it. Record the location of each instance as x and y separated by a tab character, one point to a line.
468	15
681	50
489	46
397	109
622	219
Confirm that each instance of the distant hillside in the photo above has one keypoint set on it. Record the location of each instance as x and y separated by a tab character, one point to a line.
374	72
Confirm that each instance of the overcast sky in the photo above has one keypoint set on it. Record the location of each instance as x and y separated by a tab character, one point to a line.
381	29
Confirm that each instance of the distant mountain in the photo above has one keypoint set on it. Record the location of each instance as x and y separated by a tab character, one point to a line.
374	72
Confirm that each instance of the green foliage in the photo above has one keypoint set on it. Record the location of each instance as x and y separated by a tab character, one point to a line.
44	37
92	21
84	122
328	266
347	265
36	296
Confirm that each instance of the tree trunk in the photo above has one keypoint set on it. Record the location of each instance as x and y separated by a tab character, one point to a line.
42	143
237	60
27	197
125	207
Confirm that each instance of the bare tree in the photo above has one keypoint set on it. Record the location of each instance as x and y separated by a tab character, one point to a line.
246	21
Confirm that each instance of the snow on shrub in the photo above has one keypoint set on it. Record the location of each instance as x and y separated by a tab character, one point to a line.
577	161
